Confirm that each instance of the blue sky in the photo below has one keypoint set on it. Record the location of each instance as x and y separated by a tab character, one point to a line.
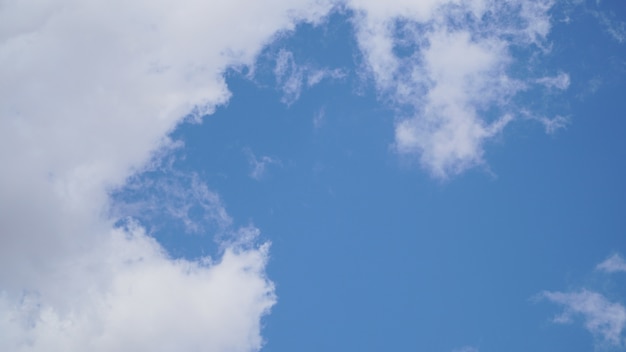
313	176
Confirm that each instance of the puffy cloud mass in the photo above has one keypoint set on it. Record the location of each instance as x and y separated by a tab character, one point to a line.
89	91
128	295
445	66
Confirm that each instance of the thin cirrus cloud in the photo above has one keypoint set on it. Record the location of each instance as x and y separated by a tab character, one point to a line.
615	28
260	164
292	77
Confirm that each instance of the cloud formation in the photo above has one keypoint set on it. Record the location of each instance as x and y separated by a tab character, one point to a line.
130	295
292	77
613	264
259	165
615	28
603	318
90	91
444	66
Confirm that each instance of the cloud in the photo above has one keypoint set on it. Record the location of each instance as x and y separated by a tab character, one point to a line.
603	318
613	264
258	165
466	349
171	195
292	77
319	117
615	28
444	66
128	294
90	90
560	81
551	124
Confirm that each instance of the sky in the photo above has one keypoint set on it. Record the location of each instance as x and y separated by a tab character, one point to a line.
313	175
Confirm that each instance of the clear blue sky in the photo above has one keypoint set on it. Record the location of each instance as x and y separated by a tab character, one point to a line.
459	190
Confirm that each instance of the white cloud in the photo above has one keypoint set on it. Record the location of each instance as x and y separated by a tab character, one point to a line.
452	71
613	264
128	295
603	318
89	90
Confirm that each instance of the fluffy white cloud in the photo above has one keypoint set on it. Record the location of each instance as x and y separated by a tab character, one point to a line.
603	318
128	295
613	264
443	64
89	90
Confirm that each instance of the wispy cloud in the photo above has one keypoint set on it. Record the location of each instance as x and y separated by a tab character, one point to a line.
551	124
560	81
603	318
259	165
319	117
171	195
292	77
613	264
615	28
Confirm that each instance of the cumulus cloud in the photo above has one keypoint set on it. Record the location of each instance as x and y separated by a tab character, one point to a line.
129	295
603	318
89	91
613	264
443	64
